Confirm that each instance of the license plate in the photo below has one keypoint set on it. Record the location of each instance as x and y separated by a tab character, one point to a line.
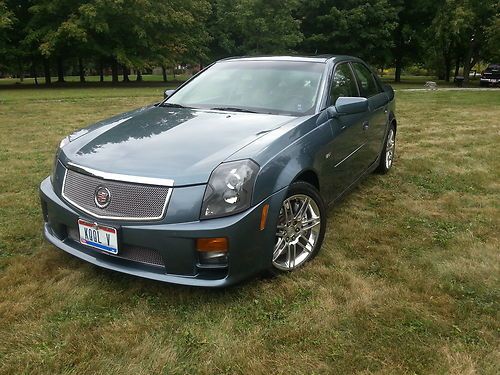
98	236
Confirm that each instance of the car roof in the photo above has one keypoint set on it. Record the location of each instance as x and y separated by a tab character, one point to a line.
315	58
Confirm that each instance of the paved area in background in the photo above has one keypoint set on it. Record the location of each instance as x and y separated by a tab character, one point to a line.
453	89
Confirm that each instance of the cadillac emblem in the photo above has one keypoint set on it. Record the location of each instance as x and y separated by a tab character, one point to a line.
102	197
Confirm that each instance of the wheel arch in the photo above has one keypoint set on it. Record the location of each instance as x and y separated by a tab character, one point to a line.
393	121
309	176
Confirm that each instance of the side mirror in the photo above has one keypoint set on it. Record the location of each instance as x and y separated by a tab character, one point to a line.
351	105
389	91
168	93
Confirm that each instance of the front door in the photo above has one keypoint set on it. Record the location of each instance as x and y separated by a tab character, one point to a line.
345	162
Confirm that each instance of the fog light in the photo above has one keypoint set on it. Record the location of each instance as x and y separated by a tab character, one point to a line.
212	251
218	258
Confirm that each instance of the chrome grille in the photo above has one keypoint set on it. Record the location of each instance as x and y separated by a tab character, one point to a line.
133	253
129	201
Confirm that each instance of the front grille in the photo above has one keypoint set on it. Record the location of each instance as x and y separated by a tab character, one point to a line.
129	201
133	253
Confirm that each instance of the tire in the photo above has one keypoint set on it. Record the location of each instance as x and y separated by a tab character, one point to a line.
387	154
298	241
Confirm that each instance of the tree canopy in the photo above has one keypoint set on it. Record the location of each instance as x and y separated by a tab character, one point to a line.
141	34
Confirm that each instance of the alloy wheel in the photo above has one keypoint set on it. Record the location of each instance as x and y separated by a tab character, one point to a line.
389	149
297	233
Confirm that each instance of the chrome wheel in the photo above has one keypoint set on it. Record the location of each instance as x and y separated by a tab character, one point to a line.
297	233
389	149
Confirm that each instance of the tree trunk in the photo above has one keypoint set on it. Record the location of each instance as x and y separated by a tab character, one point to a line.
60	70
46	71
81	70
447	67
467	68
33	72
399	68
114	71
101	71
164	73
139	76
469	59
457	66
398	53
125	74
21	75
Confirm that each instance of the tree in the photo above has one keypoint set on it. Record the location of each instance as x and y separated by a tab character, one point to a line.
357	27
138	33
492	45
443	40
482	15
243	27
5	19
6	22
413	19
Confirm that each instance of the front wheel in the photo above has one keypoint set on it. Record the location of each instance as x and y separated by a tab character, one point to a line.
300	229
387	154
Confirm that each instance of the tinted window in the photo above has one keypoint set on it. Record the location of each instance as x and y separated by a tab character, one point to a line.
343	83
368	86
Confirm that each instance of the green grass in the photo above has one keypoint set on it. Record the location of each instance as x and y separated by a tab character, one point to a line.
407	280
418	82
407	81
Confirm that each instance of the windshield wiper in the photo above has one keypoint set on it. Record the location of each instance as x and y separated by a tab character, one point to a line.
233	109
174	105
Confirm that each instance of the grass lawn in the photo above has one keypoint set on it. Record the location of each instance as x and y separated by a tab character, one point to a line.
407	280
418	82
407	81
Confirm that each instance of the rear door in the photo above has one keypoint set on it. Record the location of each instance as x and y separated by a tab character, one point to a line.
375	128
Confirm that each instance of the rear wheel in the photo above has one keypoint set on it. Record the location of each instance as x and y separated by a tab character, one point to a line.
387	155
300	229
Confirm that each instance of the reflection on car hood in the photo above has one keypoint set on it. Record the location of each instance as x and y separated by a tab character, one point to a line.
175	143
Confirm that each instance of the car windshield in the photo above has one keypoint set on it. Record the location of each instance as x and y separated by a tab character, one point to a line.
274	87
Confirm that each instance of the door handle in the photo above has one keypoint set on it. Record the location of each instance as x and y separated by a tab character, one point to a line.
366	125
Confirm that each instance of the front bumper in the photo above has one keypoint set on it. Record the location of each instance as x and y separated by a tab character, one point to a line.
250	249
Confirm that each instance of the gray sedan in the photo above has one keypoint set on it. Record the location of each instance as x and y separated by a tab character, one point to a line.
229	176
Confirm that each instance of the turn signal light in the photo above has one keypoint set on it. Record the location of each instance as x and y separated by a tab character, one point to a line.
263	217
212	244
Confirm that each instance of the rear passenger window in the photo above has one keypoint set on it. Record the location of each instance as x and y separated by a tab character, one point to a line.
367	84
343	83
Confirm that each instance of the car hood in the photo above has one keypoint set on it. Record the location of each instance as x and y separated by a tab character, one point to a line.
184	145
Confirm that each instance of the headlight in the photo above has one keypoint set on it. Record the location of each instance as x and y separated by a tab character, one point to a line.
54	166
68	139
229	189
64	142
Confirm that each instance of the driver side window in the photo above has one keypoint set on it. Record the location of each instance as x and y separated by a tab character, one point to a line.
343	83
